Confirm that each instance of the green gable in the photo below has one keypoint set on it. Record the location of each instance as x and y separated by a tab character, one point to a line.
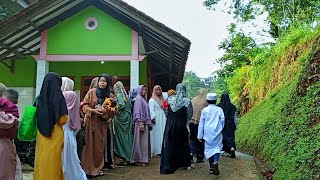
71	36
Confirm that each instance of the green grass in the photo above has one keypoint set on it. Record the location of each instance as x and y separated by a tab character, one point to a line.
278	130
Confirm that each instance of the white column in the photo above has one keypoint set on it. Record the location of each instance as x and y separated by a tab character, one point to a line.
134	74
42	70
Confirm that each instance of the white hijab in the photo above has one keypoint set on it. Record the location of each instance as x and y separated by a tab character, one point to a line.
67	84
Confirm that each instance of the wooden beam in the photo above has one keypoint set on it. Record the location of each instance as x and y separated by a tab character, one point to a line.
10	50
12	65
183	64
18	46
34	25
151	52
170	63
159	74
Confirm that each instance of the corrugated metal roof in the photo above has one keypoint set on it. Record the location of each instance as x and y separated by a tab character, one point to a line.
20	34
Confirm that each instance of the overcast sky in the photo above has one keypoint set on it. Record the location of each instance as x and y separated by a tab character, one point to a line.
204	28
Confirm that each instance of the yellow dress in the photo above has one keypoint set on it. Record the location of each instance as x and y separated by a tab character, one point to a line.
48	160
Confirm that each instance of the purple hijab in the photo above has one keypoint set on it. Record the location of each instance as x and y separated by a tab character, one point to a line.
141	111
73	109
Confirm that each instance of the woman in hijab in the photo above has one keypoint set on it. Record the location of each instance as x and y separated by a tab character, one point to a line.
94	83
96	123
67	84
159	118
198	103
229	110
175	148
51	116
141	151
81	134
122	123
71	162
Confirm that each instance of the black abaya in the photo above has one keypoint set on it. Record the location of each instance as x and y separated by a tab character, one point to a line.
175	147
229	129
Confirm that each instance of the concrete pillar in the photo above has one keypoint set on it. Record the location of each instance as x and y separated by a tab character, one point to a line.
134	74
42	70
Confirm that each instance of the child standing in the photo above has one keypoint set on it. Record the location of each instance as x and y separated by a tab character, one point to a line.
210	130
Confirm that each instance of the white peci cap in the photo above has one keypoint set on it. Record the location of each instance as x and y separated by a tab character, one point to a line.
212	96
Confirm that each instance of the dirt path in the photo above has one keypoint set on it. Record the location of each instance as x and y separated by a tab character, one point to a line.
241	168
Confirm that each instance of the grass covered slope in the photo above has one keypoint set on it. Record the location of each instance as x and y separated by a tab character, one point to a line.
284	129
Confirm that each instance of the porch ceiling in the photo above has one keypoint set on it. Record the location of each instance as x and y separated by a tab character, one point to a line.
20	34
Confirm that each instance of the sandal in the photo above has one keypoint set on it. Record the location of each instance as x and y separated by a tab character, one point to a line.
101	173
211	170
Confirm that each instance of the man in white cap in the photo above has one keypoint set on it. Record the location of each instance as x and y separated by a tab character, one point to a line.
210	130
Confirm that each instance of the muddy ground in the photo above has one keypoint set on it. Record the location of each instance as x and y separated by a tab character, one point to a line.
241	168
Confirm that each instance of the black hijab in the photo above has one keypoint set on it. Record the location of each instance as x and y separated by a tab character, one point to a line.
102	94
228	108
51	104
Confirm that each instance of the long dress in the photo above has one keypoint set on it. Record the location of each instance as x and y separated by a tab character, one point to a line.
157	132
122	123
229	134
8	158
48	160
95	137
141	149
175	148
71	163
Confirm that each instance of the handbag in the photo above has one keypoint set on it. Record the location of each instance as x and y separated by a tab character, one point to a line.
28	127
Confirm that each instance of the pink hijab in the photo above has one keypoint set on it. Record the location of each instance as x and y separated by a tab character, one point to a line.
73	109
160	98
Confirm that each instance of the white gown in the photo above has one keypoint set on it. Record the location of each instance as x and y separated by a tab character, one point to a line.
157	132
210	129
71	164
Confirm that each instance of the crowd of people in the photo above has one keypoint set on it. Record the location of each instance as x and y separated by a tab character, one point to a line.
110	127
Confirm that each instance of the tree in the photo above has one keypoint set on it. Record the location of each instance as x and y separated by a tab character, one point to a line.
282	14
239	49
193	84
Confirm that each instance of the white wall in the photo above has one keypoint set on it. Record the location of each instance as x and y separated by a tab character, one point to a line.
26	97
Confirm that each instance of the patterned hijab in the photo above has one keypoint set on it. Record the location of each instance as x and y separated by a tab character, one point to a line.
179	100
67	84
160	98
119	89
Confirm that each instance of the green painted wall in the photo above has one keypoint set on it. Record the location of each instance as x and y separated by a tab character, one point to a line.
71	36
79	69
24	76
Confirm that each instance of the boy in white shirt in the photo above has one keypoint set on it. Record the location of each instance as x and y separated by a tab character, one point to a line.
210	130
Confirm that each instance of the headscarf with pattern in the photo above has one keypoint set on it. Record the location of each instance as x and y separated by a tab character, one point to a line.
179	100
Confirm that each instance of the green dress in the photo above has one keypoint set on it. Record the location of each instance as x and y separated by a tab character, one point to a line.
122	123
